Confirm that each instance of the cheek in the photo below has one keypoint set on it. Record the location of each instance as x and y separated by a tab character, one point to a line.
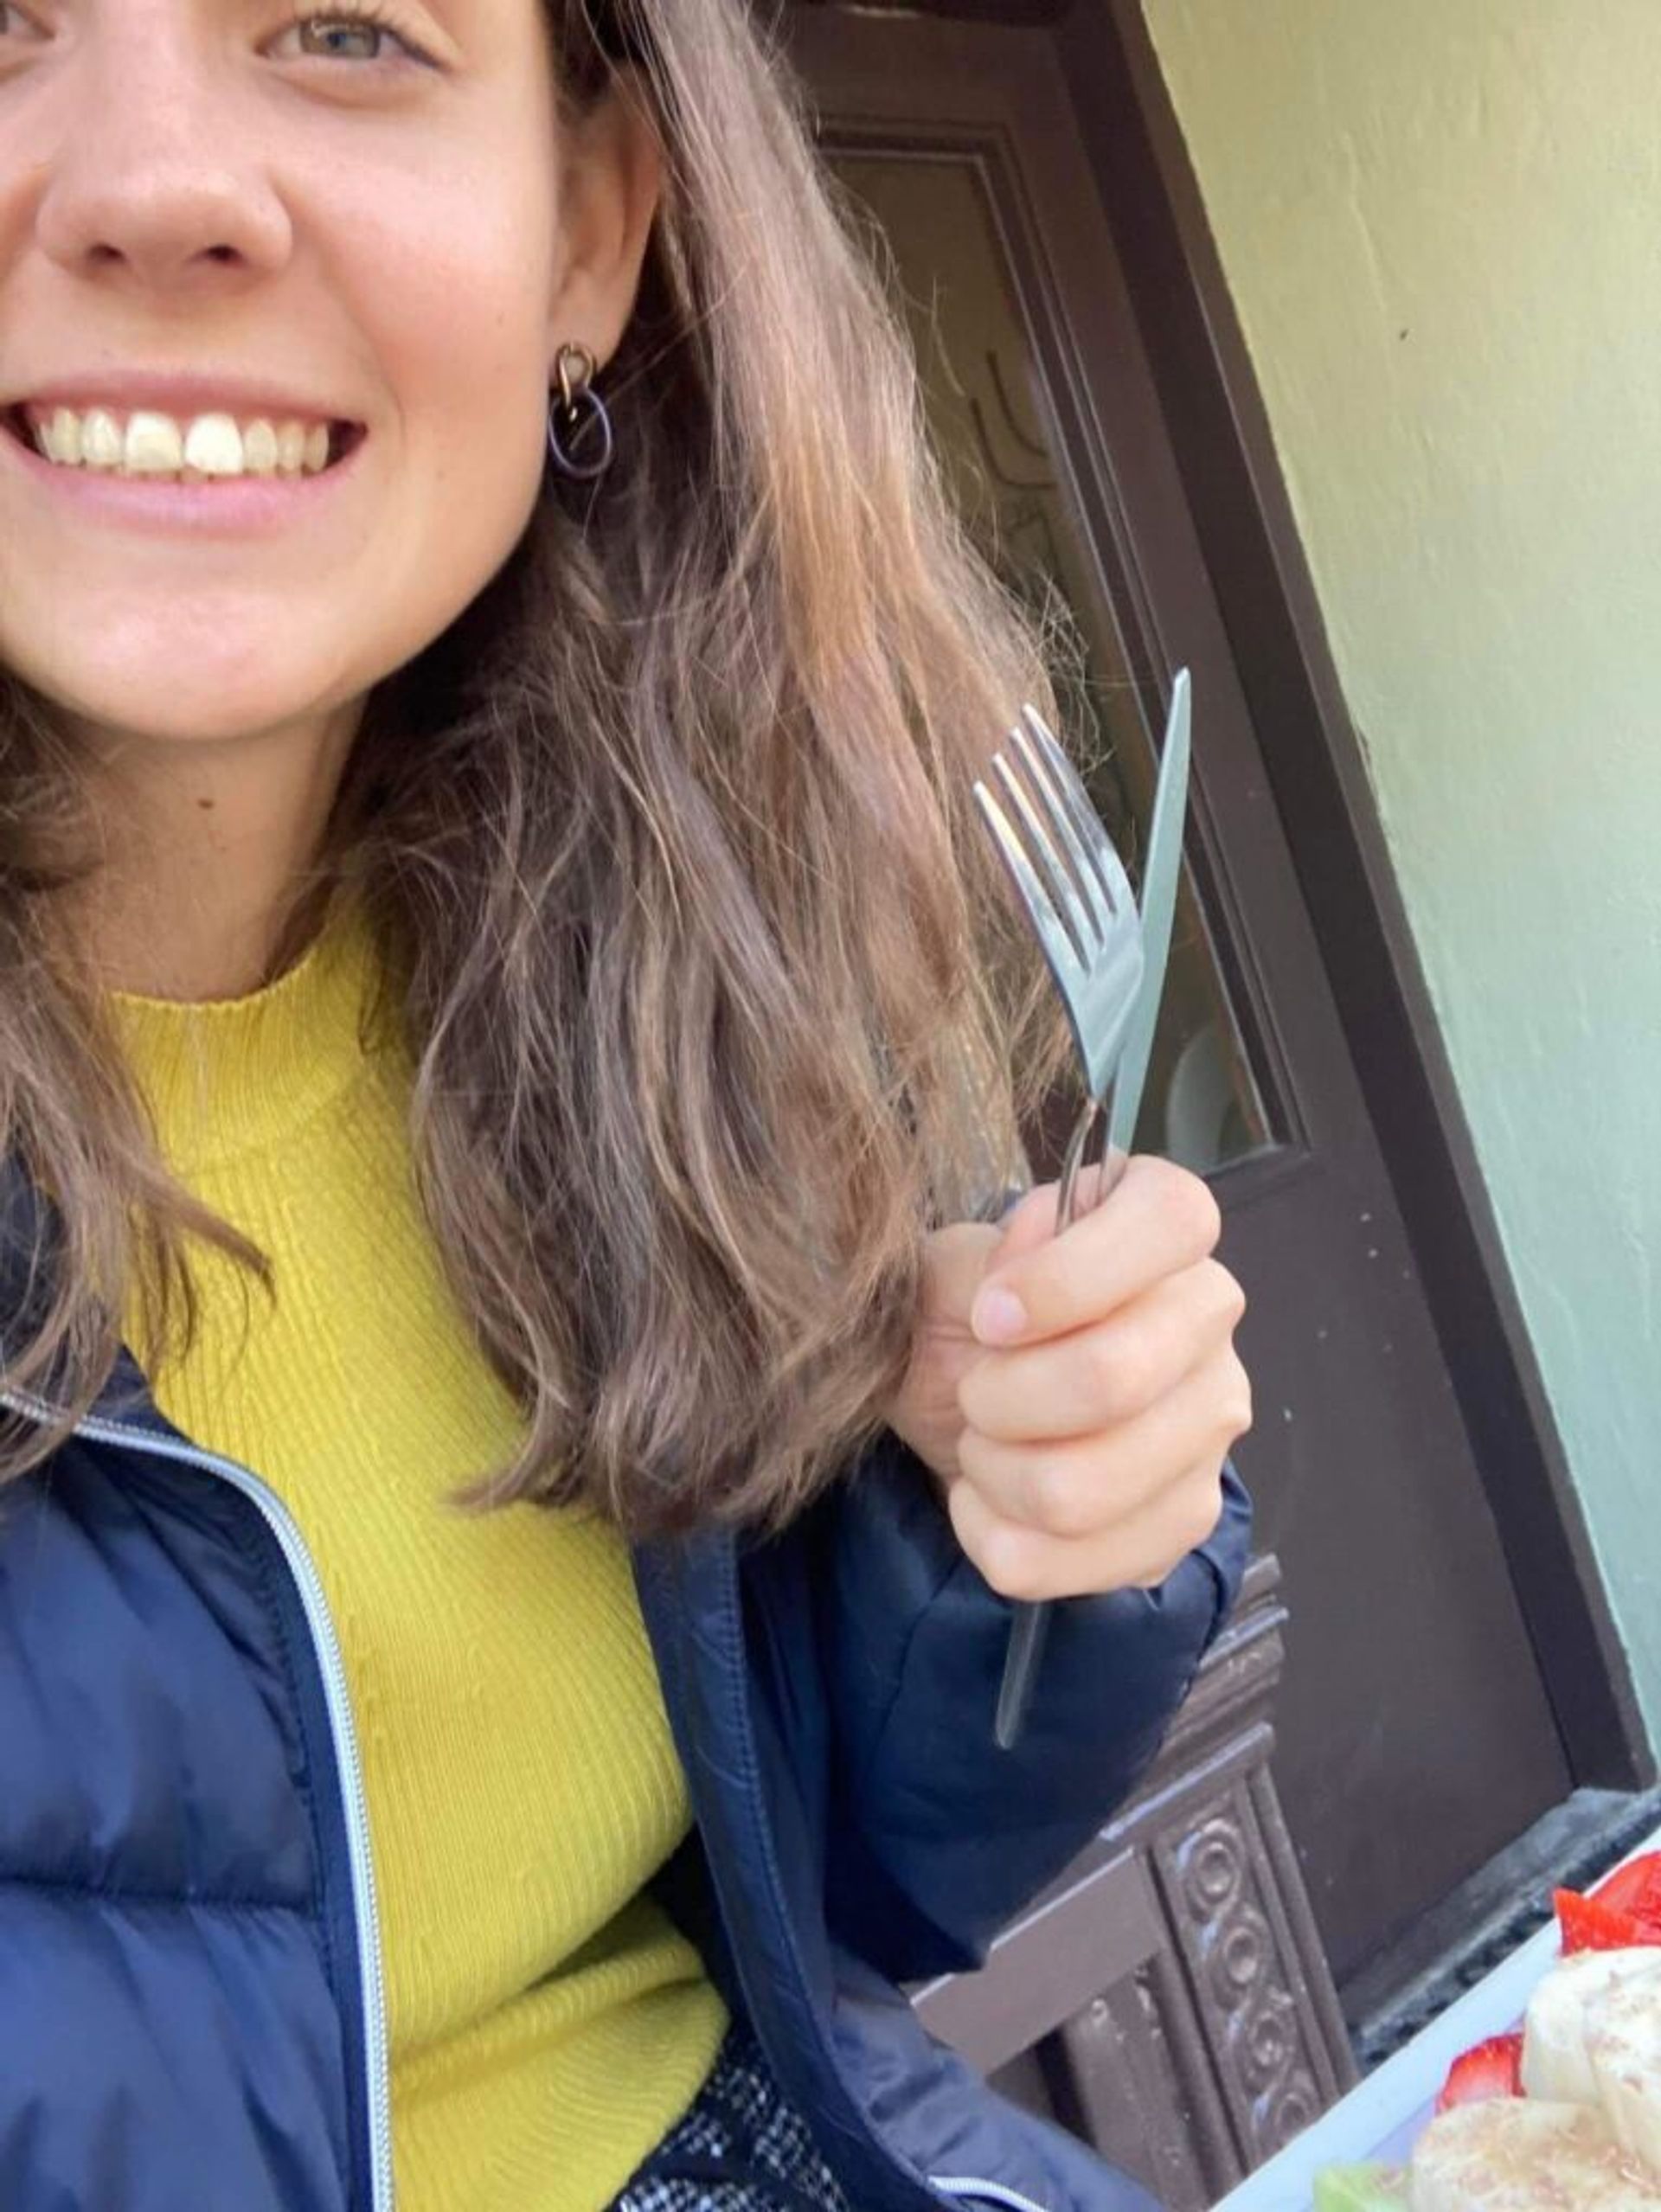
460	334
454	275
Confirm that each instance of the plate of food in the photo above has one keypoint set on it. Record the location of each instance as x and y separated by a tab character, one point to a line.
1538	2091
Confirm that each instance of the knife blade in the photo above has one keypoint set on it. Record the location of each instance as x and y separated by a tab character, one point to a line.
1158	907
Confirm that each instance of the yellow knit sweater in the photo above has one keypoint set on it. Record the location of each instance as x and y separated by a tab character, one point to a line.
547	2022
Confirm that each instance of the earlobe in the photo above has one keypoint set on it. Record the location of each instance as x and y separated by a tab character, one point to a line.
610	188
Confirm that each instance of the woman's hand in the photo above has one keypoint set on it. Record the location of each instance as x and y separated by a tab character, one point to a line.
1076	1395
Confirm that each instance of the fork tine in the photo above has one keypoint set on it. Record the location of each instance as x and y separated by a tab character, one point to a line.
1054	938
1082	879
1075	801
1083	876
1044	827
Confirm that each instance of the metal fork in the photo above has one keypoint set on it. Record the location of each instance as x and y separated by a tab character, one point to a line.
1070	880
1072	883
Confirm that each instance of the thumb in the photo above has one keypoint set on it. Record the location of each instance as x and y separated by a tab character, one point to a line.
1025	1227
1032	1222
1028	1225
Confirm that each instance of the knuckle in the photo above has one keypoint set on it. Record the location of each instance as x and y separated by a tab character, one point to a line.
1187	1203
1010	1563
1238	1407
1059	1503
968	1516
971	1396
978	1459
1204	1215
1231	1296
1115	1373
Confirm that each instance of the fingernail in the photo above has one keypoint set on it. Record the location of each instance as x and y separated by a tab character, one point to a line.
998	1318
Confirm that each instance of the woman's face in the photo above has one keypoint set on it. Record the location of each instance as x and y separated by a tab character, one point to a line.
239	236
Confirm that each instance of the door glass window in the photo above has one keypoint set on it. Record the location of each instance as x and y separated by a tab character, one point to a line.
984	396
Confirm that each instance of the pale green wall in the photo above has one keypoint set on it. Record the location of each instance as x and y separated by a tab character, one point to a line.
1441	223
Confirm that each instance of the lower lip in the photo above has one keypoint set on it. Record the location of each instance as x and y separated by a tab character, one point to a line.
247	506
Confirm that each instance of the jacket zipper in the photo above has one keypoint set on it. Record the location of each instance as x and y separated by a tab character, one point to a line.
969	2191
326	1649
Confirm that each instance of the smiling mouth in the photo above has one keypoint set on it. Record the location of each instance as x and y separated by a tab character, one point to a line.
147	445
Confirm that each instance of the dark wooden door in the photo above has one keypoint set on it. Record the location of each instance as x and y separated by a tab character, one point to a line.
1415	1735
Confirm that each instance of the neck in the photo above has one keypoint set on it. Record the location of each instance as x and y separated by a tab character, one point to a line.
206	847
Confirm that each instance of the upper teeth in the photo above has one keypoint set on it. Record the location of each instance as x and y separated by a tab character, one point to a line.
158	444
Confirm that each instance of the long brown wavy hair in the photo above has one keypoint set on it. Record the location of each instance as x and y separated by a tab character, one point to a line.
686	922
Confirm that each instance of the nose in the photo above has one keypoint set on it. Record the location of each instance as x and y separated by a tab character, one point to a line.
155	187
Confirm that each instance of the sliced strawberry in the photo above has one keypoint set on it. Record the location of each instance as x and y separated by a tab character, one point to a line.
1492	2069
1587	1924
1635	1889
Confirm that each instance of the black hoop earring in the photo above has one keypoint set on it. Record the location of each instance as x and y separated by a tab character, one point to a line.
578	419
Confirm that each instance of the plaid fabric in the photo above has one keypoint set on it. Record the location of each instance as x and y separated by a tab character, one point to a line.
742	2148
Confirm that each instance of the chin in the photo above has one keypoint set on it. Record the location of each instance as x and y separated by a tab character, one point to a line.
185	699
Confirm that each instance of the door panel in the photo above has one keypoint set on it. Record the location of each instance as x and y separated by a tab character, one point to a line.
1415	1737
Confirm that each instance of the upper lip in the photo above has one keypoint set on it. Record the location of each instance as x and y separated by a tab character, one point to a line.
182	394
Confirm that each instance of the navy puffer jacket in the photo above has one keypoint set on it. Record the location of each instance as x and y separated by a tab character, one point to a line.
191	2012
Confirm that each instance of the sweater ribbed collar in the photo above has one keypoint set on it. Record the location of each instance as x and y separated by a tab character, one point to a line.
227	1078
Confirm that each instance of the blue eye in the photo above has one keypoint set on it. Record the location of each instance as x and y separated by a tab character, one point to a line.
350	34
341	41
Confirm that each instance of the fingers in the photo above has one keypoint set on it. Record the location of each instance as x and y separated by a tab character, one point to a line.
1110	1373
1139	1552
1101	1391
1075	1488
1160	1220
924	1411
955	1261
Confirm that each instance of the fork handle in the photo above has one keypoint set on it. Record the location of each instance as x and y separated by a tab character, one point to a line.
1030	1621
1021	1656
1072	1161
